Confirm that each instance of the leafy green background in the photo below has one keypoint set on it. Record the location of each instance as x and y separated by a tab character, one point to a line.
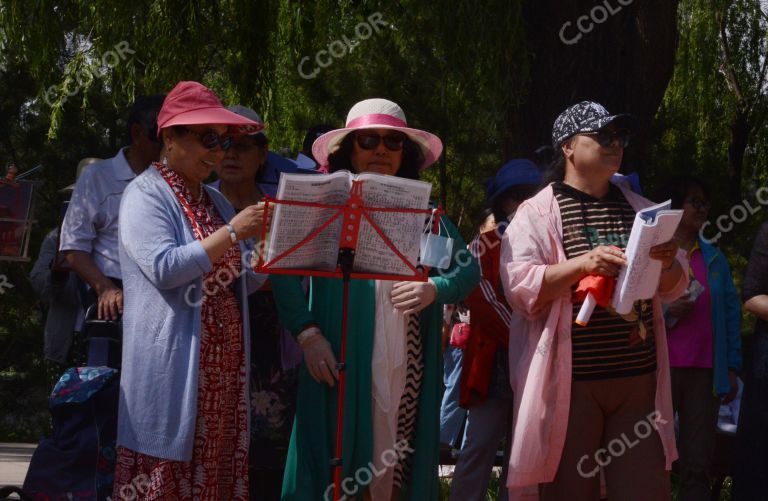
488	77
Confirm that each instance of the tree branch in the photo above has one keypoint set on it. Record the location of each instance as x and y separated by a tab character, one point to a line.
763	67
727	66
762	14
758	102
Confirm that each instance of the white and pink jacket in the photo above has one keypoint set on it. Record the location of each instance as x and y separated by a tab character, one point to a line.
540	346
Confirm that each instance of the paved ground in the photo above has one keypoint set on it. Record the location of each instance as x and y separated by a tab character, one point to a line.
14	461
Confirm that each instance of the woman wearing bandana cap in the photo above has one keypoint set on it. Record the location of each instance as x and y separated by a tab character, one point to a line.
579	391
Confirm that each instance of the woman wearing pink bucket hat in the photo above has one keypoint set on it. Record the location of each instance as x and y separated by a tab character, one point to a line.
183	414
394	356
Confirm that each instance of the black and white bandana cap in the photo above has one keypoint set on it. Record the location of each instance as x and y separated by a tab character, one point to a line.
586	116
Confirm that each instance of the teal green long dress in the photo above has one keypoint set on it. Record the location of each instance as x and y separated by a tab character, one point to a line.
308	474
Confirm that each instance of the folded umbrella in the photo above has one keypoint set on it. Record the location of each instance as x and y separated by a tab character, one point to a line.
593	290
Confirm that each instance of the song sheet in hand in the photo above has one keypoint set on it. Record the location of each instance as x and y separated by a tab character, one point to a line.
640	278
292	224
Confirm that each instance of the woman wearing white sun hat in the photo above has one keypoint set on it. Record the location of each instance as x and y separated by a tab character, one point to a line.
392	400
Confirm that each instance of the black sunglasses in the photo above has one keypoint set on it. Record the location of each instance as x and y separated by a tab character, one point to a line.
209	139
605	137
241	146
369	141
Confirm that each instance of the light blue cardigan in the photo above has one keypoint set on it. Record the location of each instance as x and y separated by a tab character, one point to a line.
162	265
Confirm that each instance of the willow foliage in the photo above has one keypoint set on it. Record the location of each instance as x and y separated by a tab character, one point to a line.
455	67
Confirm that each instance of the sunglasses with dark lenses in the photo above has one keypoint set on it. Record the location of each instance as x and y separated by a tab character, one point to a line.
605	138
209	139
244	145
392	141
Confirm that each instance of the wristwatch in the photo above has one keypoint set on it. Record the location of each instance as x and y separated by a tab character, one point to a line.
232	233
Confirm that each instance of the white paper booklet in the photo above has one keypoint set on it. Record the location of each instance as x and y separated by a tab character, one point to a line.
291	224
640	278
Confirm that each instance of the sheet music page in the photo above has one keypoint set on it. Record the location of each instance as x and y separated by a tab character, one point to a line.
403	230
291	224
640	279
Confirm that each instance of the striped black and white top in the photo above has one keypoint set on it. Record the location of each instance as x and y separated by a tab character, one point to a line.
610	346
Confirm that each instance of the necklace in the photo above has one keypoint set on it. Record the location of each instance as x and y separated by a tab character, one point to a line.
199	193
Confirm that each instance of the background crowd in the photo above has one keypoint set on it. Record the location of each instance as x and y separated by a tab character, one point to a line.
690	71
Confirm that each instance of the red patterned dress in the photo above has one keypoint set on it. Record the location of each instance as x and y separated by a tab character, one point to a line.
219	466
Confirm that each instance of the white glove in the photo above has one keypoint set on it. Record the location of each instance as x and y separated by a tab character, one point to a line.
412	297
318	356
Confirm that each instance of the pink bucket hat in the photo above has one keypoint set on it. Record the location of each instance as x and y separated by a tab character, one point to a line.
377	114
192	103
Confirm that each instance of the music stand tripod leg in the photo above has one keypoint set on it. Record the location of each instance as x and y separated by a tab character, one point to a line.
346	260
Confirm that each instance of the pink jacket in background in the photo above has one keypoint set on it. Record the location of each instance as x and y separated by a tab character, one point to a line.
540	346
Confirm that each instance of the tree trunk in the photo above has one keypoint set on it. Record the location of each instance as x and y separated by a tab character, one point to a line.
739	139
622	57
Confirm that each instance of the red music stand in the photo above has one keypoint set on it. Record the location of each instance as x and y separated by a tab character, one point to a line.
16	218
352	213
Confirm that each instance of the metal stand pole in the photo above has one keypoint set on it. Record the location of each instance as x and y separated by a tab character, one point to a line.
346	258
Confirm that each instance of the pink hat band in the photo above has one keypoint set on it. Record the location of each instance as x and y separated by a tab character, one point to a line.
373	113
376	119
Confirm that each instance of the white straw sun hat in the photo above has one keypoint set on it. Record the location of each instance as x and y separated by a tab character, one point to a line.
377	114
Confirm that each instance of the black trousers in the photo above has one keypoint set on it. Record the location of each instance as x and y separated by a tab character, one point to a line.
750	475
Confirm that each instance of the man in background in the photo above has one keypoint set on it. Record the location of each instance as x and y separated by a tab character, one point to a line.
59	290
89	231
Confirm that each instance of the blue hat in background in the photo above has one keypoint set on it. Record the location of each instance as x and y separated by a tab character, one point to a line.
276	165
516	172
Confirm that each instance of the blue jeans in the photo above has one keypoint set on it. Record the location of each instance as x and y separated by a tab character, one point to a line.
488	424
451	415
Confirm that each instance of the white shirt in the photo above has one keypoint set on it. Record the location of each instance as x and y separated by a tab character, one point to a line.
90	224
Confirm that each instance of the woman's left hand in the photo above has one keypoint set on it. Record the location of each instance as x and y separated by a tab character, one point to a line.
412	297
666	253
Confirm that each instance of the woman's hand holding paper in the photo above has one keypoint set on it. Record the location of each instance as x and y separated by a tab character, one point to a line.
666	253
603	260
249	221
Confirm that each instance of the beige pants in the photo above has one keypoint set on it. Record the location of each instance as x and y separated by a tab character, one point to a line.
611	428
